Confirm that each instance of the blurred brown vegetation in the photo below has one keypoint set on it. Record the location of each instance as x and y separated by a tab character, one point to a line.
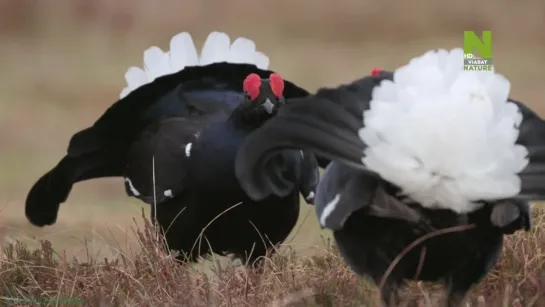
63	64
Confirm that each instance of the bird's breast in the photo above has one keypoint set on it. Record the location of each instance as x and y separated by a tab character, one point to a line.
212	160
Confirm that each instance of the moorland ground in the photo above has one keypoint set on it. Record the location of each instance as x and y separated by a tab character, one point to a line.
63	64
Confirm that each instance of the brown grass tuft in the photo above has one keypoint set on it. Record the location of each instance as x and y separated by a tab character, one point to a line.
152	277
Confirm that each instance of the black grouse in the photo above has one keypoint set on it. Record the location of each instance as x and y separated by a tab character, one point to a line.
174	135
430	153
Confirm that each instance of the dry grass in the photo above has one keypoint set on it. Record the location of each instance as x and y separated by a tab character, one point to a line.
63	63
150	277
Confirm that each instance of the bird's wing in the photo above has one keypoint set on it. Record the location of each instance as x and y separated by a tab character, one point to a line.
511	215
326	123
532	136
344	190
157	162
329	124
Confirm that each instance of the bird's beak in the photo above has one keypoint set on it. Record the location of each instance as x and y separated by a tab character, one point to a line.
269	106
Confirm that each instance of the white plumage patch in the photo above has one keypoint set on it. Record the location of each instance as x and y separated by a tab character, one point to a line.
310	196
445	136
329	208
134	191
188	149
217	48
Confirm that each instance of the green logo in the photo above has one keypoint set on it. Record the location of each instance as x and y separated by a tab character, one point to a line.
484	48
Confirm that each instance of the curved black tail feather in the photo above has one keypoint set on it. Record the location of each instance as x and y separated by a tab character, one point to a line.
52	189
326	124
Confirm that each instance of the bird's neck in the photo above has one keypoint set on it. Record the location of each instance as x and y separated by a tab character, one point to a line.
213	156
245	119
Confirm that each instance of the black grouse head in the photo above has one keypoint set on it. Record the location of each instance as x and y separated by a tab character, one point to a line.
262	97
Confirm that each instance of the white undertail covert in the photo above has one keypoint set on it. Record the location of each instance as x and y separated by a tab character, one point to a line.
445	136
217	48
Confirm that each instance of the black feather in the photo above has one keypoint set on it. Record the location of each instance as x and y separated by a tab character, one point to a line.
143	137
102	150
371	222
532	136
136	108
326	123
53	188
214	214
460	259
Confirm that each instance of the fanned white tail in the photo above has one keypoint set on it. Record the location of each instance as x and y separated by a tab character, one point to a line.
445	136
217	48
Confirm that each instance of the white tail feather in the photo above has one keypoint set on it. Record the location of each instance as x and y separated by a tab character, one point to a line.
217	48
241	50
445	136
183	52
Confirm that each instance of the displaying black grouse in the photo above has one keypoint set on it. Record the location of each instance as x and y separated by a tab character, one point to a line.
174	135
432	165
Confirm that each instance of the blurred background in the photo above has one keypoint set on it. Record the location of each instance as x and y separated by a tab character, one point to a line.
63	63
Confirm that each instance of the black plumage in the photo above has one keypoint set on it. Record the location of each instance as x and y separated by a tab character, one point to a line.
177	137
372	224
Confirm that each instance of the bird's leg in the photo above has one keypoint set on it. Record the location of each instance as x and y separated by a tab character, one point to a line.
473	268
457	287
455	299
